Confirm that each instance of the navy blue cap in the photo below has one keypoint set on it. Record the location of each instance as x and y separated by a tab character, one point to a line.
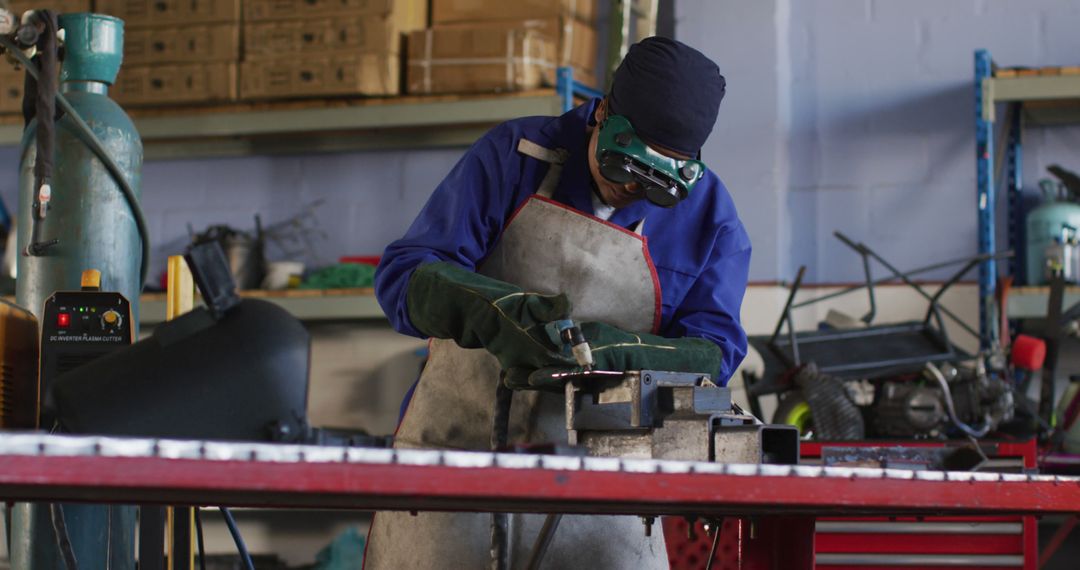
670	92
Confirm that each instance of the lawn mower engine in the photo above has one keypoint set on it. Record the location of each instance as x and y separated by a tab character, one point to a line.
929	404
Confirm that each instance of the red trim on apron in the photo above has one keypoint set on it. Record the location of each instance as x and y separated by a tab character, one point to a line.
658	309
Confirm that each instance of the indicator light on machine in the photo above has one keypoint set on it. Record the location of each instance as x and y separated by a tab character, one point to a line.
63	320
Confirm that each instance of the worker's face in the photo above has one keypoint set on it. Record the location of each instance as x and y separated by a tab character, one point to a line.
616	195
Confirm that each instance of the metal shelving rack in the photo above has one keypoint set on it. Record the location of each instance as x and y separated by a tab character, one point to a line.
1031	98
366	124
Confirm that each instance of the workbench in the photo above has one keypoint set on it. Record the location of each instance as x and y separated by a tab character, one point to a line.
783	500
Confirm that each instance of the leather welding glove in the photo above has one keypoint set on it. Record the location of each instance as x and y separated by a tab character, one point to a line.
617	350
447	301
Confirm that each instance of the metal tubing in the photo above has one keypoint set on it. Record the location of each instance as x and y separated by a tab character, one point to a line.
789	305
543	541
912	273
712	549
865	255
907	281
945	287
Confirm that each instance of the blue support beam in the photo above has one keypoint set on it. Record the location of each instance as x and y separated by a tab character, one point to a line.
985	203
1015	183
567	88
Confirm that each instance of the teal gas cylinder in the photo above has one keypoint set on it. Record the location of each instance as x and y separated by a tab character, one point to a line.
88	213
95	229
1044	224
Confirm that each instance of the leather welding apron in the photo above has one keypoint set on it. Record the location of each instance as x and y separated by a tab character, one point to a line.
606	271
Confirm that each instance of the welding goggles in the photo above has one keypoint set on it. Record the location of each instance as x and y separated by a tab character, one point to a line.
624	158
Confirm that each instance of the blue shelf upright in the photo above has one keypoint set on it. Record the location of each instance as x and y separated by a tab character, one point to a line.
985	203
567	87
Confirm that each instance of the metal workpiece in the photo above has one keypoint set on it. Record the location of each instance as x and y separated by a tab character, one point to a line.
650	414
48	467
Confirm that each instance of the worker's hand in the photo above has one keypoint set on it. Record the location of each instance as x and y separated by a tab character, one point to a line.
448	301
617	350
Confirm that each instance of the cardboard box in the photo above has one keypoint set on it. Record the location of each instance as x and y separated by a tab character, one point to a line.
345	34
11	88
162	13
176	83
347	74
12	81
186	44
458	11
577	43
407	15
58	6
479	60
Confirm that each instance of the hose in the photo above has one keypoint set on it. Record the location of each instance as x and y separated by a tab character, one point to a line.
63	540
95	144
239	540
199	537
950	408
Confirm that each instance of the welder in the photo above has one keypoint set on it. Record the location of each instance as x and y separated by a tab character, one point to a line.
605	215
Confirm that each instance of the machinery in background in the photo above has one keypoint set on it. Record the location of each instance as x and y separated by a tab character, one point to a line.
236	369
940	398
78	327
899	380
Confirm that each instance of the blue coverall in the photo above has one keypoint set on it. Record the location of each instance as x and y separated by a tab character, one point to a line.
700	248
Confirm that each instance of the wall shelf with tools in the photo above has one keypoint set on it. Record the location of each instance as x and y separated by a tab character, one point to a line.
1031	97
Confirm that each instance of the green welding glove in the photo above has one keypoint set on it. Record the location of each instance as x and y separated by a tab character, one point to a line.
447	301
618	350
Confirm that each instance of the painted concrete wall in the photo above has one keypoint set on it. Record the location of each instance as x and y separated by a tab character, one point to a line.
841	114
858	115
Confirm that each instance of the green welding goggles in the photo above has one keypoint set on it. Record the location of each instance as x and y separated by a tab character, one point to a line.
624	158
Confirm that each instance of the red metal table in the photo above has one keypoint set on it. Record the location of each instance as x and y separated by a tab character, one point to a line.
45	468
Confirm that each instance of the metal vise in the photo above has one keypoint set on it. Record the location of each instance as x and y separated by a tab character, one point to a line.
651	414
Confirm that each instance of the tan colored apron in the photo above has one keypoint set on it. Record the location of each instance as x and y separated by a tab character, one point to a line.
606	271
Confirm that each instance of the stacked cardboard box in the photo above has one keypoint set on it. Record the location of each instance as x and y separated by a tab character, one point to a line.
177	51
58	6
461	53
11	80
302	48
11	88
